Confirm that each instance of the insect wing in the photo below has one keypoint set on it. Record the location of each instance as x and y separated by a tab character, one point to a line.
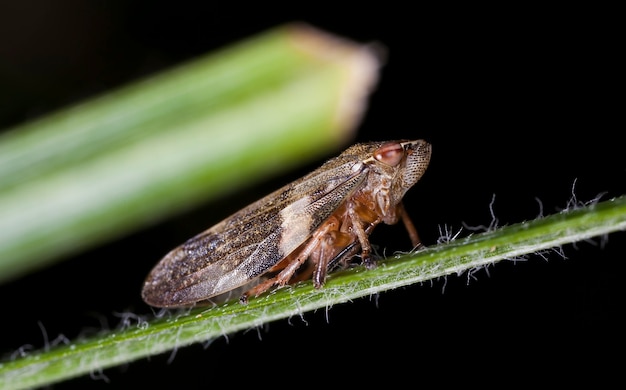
247	244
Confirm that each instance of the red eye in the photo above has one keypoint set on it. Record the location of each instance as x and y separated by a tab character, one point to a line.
390	154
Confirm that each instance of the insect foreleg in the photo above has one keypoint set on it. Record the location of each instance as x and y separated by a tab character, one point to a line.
410	227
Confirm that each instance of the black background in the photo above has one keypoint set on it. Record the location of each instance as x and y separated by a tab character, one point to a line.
518	104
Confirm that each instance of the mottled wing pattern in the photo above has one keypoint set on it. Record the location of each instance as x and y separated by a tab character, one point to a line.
251	241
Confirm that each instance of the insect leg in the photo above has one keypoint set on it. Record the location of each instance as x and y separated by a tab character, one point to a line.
285	275
362	235
334	246
281	279
320	259
348	252
410	227
345	255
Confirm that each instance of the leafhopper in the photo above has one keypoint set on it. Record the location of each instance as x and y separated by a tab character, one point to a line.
302	230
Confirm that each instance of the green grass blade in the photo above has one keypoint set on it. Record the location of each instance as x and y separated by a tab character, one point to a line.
157	335
116	163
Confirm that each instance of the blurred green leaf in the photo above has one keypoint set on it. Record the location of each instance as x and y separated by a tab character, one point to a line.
114	164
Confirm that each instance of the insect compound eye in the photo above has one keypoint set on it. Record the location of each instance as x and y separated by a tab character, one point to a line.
390	153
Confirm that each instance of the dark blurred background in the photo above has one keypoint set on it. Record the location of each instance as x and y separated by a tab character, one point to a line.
519	104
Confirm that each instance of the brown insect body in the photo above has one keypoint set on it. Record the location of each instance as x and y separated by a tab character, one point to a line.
324	218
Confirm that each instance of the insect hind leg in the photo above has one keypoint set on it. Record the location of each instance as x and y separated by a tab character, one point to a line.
321	249
293	262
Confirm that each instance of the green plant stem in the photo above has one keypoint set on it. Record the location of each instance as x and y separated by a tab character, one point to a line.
178	329
119	162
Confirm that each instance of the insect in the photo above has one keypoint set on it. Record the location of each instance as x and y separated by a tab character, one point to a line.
304	229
